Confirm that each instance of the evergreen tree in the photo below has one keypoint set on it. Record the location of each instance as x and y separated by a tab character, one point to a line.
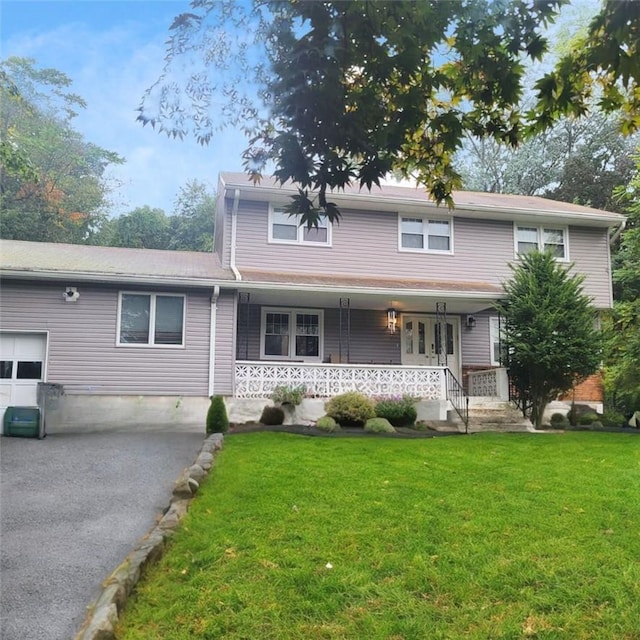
550	334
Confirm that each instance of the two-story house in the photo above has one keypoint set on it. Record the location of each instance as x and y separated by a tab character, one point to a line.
395	298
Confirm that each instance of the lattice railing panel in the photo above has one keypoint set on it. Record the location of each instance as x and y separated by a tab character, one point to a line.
259	379
490	382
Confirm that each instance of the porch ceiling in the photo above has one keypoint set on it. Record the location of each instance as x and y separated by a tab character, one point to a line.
401	301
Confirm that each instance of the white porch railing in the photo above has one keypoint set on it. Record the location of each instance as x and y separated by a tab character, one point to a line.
259	379
490	382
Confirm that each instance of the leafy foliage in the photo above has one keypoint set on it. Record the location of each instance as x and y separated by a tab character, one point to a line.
217	420
605	63
52	182
551	340
581	161
350	409
400	412
353	90
328	424
378	425
286	394
272	415
622	328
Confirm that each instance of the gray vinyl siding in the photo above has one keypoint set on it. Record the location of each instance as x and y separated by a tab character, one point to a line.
225	344
483	250
370	342
475	342
589	250
82	341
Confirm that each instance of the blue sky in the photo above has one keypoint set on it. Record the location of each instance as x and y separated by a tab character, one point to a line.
113	50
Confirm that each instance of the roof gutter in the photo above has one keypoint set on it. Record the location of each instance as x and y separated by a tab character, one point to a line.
387	291
234	233
116	278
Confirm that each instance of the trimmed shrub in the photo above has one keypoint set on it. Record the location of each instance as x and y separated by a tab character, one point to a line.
613	419
378	425
558	418
286	394
217	420
399	411
588	418
350	409
272	415
328	424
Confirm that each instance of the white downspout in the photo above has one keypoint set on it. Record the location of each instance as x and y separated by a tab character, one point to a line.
234	217
212	338
619	230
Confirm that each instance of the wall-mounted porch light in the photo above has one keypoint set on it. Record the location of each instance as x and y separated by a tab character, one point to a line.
392	320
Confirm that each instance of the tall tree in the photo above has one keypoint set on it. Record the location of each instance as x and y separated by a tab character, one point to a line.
142	228
576	160
193	218
354	90
52	182
550	333
357	89
622	354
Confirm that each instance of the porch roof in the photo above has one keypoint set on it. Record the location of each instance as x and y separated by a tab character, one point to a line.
366	292
49	261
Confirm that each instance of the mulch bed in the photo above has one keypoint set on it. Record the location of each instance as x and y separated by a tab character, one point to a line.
305	430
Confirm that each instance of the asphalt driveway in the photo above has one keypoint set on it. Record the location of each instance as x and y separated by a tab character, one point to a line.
73	507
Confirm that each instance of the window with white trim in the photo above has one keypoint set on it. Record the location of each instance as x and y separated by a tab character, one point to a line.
533	238
151	320
291	334
496	337
285	228
426	234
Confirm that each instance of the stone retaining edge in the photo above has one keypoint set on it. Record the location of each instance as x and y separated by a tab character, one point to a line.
104	613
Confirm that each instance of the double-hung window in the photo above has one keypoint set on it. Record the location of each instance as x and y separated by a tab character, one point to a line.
533	238
284	228
426	234
151	320
291	334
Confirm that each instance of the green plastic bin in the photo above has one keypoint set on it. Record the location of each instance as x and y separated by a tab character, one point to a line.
22	422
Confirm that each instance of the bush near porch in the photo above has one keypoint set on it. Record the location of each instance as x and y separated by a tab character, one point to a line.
488	536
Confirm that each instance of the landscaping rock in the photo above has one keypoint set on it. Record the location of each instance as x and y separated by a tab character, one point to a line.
196	472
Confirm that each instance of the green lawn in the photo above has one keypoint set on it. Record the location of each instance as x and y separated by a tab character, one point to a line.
486	536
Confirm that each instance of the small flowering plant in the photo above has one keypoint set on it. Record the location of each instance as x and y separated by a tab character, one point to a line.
399	410
287	394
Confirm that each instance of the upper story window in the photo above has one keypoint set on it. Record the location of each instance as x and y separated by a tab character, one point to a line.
151	320
532	238
285	228
426	234
291	334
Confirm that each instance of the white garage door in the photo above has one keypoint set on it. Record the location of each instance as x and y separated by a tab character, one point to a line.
22	361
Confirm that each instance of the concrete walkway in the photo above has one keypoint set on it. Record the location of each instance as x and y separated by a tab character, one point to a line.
72	508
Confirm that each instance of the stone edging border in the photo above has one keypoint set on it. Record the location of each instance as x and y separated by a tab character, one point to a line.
103	614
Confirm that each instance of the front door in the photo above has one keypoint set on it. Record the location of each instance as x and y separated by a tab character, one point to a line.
422	344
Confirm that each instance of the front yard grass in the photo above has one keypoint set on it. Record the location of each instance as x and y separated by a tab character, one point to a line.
487	536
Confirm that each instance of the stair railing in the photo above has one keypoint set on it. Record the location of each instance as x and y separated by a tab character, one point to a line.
457	397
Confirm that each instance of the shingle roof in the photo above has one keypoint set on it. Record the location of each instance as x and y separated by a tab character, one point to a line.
43	259
336	281
468	201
